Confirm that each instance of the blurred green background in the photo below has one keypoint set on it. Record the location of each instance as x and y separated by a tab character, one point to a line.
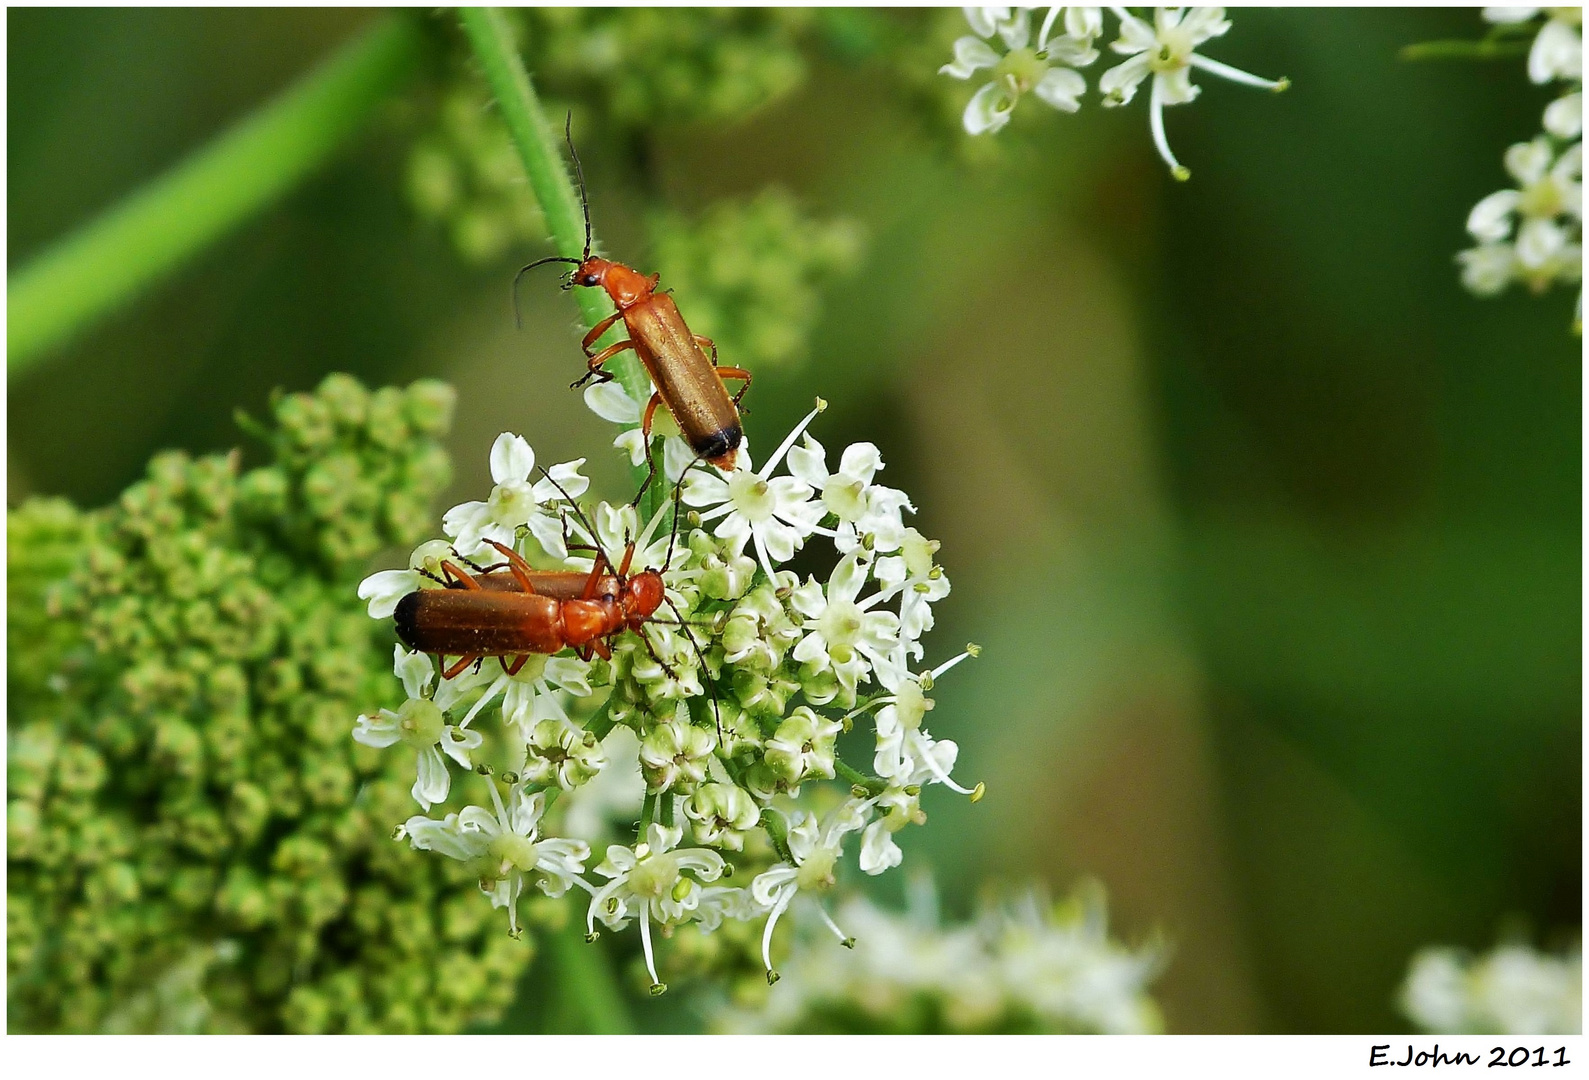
1271	533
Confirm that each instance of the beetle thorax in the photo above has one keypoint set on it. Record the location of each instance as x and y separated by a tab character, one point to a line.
586	620
626	287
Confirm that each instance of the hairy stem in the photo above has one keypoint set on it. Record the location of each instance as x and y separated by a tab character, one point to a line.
777	833
540	150
873	785
146	236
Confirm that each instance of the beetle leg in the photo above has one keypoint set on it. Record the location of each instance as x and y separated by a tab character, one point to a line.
593	364
463	579
645	437
516	563
601	649
735	373
708	344
513	669
457	669
645	420
596	331
592	582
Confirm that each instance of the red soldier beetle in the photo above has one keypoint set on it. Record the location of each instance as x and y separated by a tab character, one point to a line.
526	611
688	382
511	609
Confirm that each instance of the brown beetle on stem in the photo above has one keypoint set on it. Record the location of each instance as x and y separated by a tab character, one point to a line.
688	382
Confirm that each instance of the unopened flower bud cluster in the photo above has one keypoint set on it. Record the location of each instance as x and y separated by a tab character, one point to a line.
193	843
464	175
1024	52
1533	233
736	694
752	273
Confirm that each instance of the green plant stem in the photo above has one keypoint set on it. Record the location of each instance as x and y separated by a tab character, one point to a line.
872	784
777	833
586	977
540	150
143	238
1488	49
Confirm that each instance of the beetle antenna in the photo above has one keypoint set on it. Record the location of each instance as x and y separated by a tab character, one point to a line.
583	520
677	506
706	675
518	321
579	171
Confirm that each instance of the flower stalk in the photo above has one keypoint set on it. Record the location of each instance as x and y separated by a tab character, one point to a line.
539	150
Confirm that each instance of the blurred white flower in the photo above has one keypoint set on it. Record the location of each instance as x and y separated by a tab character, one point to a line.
1512	990
1557	51
1024	966
1533	233
1167	50
1045	71
1564	116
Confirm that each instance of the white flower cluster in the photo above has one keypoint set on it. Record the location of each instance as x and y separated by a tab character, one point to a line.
1533	233
1165	50
1511	991
1025	966
735	690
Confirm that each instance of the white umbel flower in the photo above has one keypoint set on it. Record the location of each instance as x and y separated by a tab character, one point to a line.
385	588
655	879
774	514
504	846
1167	51
866	512
815	848
515	501
920	582
843	633
1557	51
1531	233
610	401
421	724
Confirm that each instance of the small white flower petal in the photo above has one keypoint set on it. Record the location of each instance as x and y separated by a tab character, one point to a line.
1062	88
971	55
610	401
432	781
512	460
989	109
